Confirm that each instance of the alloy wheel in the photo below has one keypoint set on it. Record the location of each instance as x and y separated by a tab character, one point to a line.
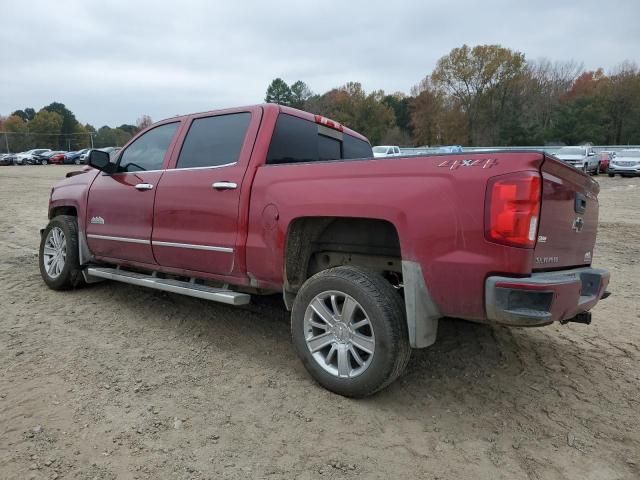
55	252
339	334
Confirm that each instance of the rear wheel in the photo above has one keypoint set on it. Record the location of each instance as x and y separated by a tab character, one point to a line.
59	262
348	327
585	168
597	171
43	162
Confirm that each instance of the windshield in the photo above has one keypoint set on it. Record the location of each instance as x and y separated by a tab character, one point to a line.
380	149
570	151
629	154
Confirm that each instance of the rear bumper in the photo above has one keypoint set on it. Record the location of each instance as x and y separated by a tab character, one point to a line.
544	298
623	170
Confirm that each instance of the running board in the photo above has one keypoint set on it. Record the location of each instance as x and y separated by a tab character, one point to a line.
169	285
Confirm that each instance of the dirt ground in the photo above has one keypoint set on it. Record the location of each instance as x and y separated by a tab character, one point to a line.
115	381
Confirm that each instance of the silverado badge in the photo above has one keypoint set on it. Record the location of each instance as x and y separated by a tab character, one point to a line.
97	220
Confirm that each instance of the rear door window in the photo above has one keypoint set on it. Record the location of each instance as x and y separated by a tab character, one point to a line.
299	140
214	141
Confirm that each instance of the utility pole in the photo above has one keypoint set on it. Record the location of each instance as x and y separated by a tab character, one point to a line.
6	141
91	137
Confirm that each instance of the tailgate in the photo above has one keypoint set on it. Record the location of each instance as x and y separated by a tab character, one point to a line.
568	217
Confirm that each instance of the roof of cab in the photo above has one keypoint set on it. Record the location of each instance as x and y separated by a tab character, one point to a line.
266	106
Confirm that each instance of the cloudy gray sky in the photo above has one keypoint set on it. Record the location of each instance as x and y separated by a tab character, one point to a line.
112	61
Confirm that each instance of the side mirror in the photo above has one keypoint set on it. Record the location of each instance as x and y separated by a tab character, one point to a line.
100	160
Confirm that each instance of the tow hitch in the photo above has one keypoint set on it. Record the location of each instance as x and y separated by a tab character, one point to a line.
582	317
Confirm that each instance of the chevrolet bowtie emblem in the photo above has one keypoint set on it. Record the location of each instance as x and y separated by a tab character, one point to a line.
578	224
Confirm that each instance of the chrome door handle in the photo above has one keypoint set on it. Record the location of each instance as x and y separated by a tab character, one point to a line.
144	186
225	185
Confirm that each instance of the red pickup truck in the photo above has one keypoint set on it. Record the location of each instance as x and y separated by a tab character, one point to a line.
369	254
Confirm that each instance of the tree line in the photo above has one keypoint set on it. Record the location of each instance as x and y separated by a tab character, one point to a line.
484	95
487	95
56	127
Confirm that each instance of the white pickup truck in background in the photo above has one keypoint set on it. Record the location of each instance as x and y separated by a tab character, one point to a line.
583	158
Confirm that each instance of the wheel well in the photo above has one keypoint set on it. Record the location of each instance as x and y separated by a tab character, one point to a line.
318	243
63	210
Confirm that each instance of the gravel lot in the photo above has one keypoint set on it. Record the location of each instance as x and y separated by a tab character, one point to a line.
115	381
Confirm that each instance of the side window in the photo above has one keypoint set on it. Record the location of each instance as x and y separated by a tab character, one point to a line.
328	148
214	141
353	147
147	152
298	140
294	140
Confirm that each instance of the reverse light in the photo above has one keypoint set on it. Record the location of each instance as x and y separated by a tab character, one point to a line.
329	123
512	209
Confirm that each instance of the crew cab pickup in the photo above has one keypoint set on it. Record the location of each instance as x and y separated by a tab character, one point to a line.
369	254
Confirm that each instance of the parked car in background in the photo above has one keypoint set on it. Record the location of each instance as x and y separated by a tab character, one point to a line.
626	163
604	157
57	157
7	159
75	157
583	158
449	149
44	158
25	158
386	151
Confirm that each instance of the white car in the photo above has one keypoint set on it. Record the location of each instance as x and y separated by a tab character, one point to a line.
583	158
386	151
26	157
625	163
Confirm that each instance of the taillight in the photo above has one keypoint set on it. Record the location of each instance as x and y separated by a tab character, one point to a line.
329	123
512	209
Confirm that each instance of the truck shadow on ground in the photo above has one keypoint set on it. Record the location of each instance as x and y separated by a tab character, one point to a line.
485	366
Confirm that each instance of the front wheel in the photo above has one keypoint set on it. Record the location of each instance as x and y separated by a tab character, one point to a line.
611	175
43	162
77	161
59	262
348	327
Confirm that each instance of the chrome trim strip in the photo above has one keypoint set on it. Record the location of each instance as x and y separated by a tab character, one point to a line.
194	247
119	239
173	169
178	169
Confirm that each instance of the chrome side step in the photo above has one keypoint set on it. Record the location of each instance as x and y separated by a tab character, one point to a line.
169	285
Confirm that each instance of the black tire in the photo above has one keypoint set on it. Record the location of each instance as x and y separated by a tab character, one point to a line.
611	174
71	274
385	309
77	161
585	168
597	171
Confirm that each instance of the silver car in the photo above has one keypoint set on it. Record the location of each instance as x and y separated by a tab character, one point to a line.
583	158
625	163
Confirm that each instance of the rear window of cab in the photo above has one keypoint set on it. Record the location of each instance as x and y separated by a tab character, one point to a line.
296	140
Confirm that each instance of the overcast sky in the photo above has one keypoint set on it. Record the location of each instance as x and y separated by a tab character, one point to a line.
110	62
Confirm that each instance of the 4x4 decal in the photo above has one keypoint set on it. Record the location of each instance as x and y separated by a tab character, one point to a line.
481	162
